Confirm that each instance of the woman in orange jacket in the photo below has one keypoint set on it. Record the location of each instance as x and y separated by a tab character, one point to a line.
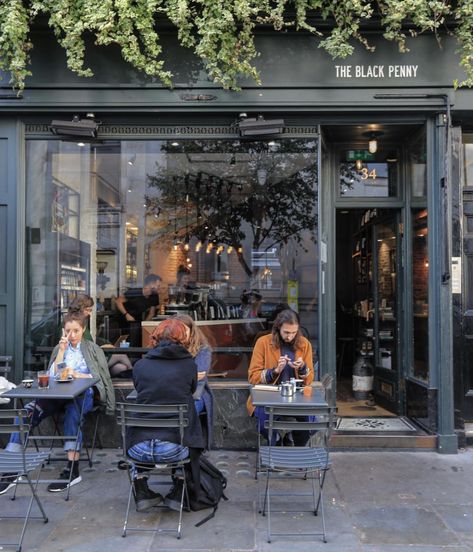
278	357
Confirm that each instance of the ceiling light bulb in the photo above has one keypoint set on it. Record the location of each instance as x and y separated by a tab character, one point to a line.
358	164
229	249
373	145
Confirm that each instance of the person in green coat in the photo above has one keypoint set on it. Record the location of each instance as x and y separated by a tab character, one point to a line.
80	358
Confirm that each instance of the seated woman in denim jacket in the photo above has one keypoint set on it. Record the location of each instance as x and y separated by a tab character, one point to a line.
166	375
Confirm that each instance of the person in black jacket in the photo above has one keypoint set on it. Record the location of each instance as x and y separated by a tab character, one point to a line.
166	375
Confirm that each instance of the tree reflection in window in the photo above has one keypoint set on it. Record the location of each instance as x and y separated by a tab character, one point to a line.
227	191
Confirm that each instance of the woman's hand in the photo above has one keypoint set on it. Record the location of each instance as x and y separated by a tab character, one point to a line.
281	364
297	364
129	317
63	342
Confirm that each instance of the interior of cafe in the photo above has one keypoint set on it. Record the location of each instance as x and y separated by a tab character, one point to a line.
228	227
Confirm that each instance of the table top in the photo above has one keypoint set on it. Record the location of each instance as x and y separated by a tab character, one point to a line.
273	398
69	390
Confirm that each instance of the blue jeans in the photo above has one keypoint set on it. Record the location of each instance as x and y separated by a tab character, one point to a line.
199	405
38	410
155	451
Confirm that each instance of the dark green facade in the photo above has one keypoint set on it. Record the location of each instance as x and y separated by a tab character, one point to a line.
310	90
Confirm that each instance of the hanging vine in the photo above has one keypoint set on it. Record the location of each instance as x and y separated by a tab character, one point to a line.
220	32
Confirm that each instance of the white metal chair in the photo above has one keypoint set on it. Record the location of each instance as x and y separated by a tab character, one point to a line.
19	466
153	416
311	462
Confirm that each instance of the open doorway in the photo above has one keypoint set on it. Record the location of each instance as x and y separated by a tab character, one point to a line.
375	251
368	299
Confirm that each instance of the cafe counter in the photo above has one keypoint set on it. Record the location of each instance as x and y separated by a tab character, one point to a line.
232	341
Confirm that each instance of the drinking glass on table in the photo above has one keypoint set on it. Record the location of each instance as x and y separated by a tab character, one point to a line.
43	380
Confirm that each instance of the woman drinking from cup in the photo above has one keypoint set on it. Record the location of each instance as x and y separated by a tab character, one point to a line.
81	359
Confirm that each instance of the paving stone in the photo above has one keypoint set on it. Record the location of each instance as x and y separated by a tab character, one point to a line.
401	525
374	502
458	517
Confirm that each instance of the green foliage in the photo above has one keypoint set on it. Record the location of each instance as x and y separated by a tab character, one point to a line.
220	32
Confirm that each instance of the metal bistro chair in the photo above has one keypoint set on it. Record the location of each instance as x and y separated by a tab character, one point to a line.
311	462
19	465
169	416
5	367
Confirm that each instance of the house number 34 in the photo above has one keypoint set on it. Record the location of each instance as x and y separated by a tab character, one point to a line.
365	174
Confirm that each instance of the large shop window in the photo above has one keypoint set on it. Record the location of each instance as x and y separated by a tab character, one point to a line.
230	228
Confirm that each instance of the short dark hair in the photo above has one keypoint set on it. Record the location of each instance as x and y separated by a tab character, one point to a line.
152	278
287	316
75	316
183	269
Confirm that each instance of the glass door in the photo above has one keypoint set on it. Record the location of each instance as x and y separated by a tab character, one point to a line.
386	342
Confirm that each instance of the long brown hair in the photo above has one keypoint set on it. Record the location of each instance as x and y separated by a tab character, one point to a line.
287	316
197	339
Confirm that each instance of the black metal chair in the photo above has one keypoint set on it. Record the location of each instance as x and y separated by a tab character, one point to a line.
5	367
310	462
19	466
169	416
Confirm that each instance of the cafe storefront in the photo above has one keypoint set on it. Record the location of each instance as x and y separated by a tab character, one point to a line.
345	211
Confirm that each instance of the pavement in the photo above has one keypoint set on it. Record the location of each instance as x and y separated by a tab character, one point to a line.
374	502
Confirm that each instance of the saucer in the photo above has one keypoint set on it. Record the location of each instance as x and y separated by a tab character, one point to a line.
67	380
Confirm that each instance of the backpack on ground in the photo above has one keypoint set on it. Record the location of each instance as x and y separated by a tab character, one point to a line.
207	495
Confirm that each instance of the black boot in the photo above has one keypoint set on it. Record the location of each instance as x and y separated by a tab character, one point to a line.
145	498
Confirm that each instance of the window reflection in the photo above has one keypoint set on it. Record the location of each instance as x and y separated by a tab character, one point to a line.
229	226
364	174
417	155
